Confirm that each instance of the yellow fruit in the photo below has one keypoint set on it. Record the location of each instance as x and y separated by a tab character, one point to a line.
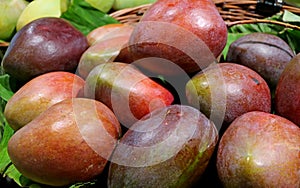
64	5
38	9
9	14
121	4
102	5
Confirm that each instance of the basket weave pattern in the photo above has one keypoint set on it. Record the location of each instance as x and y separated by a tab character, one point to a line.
231	11
130	15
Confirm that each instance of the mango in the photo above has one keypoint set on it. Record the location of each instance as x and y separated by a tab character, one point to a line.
39	94
128	92
190	34
44	45
170	147
70	142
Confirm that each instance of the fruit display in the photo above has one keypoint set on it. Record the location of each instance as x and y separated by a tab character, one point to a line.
181	97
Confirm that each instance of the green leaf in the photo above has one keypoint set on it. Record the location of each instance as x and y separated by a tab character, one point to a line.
292	38
7	132
4	80
86	18
231	38
6	167
19	179
5	89
290	17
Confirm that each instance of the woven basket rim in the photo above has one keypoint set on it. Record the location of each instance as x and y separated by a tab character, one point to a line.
230	10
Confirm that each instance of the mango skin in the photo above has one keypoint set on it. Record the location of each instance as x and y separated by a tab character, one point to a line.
259	149
200	17
128	92
44	45
227	90
101	52
68	143
171	29
39	94
109	31
287	93
264	53
170	147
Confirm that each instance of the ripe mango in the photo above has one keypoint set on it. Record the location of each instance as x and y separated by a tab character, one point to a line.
170	147
68	143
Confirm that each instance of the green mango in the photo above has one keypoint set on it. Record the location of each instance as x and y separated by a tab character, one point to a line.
102	5
122	4
9	15
39	9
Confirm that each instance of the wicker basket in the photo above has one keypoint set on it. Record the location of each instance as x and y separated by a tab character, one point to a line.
232	11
